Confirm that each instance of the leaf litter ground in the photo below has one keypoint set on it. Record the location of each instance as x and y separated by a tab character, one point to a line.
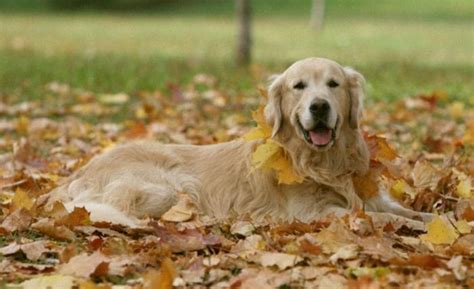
421	150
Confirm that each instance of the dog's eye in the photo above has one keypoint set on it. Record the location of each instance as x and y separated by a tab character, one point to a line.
332	83
300	85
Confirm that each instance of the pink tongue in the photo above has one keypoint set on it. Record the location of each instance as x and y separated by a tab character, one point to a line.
320	137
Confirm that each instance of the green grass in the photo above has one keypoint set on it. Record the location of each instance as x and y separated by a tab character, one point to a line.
414	47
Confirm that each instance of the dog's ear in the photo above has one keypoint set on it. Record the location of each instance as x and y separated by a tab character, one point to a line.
356	87
272	112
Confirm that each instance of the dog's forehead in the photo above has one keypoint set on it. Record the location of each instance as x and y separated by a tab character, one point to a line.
314	67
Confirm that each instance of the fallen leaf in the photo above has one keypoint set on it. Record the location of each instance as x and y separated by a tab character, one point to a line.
181	212
242	228
344	253
464	189
19	220
48	227
440	231
424	175
34	250
463	227
281	260
160	279
22	200
84	265
366	186
118	98
49	282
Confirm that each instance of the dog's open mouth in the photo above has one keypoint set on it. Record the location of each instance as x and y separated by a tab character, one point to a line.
321	135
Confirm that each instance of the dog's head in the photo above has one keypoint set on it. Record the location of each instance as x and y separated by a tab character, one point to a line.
317	102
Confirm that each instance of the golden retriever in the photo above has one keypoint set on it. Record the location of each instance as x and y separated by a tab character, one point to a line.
314	108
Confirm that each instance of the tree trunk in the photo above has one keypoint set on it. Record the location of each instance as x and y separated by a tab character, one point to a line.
244	40
317	15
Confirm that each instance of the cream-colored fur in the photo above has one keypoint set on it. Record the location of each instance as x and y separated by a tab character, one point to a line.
139	179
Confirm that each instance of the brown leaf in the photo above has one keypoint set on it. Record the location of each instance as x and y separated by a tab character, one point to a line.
308	247
422	261
19	220
84	265
34	250
48	227
366	186
464	245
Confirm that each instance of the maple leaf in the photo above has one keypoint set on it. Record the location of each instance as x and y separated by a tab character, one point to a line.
22	200
440	231
263	130
265	154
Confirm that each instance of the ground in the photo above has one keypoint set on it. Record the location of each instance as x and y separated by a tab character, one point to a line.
75	85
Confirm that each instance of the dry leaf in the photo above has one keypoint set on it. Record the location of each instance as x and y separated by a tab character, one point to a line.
22	200
424	175
19	220
49	282
181	212
84	265
366	186
464	189
440	231
463	227
162	279
48	227
242	228
281	260
346	252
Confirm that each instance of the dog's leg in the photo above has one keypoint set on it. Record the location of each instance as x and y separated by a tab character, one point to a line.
383	202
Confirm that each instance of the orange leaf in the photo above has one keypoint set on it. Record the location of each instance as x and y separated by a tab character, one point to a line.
366	186
162	279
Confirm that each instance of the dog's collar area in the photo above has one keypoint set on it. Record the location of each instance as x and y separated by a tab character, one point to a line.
321	136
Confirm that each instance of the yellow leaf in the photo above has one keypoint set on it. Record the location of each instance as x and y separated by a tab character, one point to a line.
162	279
400	188
140	113
468	138
265	153
463	227
385	151
464	189
263	92
22	200
118	98
22	124
256	133
440	232
285	172
51	282
263	130
456	109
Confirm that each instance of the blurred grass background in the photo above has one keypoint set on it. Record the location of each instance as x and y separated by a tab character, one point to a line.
402	47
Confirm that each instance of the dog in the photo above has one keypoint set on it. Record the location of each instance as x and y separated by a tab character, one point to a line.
314	109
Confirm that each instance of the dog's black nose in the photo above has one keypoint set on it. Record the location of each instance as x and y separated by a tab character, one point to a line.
319	108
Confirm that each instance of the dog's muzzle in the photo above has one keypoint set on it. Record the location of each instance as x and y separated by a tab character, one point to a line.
320	135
